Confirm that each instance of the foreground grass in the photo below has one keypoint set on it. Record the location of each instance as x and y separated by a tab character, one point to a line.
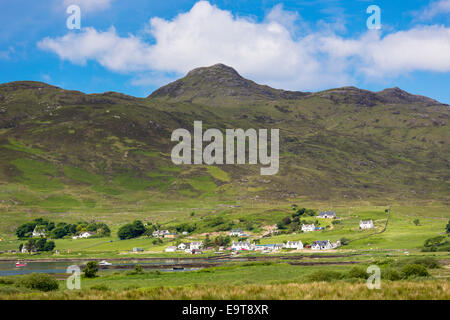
400	290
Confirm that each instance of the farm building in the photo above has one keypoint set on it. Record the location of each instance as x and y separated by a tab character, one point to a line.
321	245
298	245
366	224
327	215
308	227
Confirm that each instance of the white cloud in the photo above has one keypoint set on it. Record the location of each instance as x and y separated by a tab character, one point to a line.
434	8
267	52
89	5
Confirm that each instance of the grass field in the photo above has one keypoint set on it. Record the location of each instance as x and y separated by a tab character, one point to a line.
254	280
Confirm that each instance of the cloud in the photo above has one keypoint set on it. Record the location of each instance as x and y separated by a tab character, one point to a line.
268	52
6	54
434	9
90	5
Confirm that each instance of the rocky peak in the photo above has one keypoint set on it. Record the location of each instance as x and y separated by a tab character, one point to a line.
217	82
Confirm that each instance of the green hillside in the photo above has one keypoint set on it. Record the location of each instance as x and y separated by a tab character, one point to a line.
64	152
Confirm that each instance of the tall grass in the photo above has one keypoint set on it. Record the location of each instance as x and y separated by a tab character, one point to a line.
400	290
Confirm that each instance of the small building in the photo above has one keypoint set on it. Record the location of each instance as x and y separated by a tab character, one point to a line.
160	233
171	235
39	231
171	249
196	245
185	233
83	235
321	245
241	245
297	245
366	224
196	251
308	227
236	233
138	249
183	246
327	215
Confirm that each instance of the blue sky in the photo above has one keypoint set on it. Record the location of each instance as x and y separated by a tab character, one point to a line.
136	46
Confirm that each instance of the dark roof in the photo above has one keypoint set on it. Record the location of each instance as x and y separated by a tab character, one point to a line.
330	213
321	242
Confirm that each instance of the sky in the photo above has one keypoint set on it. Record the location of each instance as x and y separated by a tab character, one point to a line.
136	46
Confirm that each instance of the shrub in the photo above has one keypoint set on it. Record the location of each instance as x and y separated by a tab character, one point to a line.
5	281
99	287
35	281
325	276
91	269
132	230
137	270
391	274
357	272
414	270
427	262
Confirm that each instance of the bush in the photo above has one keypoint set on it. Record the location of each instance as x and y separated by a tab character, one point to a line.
414	270
91	269
99	287
358	272
132	230
35	281
427	262
391	274
5	281
325	276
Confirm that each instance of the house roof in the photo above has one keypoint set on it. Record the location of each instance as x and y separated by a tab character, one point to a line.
321	242
328	213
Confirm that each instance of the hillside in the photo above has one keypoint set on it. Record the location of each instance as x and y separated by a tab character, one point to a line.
66	151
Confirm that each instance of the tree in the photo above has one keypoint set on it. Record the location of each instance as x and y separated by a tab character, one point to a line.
58	233
91	269
208	242
49	246
448	227
416	222
30	245
25	230
132	230
40	244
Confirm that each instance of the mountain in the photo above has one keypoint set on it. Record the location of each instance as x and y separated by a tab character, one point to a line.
218	82
63	150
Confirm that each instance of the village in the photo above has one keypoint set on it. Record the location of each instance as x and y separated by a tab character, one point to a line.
244	244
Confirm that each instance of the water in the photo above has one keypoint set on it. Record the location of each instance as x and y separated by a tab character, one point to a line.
8	268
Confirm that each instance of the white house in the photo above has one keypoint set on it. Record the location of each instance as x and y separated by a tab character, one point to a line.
308	227
183	246
171	249
196	245
138	249
241	245
298	245
327	215
236	233
366	224
321	245
39	231
83	235
160	233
